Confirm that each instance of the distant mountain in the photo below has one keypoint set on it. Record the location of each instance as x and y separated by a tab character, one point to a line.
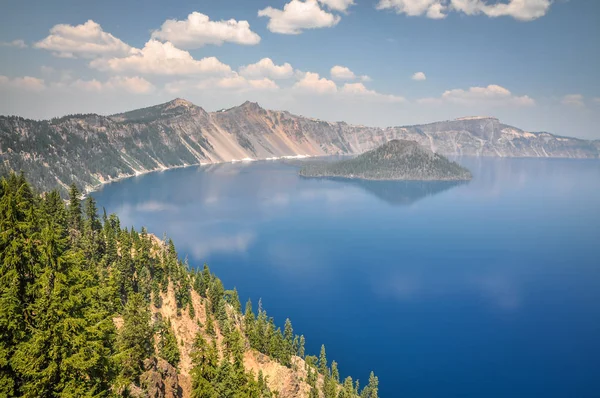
92	149
394	160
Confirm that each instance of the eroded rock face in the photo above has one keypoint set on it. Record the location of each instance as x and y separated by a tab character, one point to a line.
159	380
92	149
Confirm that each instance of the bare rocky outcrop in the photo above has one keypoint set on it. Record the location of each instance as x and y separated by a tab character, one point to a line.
159	380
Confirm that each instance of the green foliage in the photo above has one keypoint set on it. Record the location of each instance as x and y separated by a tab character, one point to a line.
167	344
134	342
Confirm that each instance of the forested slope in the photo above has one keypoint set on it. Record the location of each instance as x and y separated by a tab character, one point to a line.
91	309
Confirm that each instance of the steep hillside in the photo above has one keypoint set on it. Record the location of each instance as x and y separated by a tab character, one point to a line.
394	160
92	149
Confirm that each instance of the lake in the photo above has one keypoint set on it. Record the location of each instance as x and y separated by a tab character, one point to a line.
485	289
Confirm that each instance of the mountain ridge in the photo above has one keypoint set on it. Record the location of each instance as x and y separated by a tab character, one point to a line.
93	149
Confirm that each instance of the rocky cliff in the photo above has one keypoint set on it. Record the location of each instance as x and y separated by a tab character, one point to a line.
92	149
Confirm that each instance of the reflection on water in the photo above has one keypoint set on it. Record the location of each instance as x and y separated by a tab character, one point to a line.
479	289
402	193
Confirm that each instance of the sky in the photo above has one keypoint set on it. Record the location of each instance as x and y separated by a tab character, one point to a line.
533	64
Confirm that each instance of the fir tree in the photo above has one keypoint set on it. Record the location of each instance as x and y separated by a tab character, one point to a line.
167	344
135	340
323	361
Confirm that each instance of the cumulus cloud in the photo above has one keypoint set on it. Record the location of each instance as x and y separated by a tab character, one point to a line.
523	10
15	43
133	85
337	5
490	95
161	59
267	68
341	73
431	8
573	100
233	82
198	30
359	90
298	15
419	76
312	82
27	83
87	40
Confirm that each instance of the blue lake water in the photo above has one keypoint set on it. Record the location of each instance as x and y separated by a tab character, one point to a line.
485	289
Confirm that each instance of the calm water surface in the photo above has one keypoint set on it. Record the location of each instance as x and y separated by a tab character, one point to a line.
486	289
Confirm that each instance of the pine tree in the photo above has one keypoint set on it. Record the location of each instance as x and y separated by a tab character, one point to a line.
167	344
135	340
210	328
249	319
205	362
371	390
323	361
235	301
301	347
74	216
288	336
215	294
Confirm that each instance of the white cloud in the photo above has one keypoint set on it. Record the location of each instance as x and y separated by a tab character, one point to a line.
337	5
298	15
267	68
419	76
87	40
15	43
133	85
234	82
341	73
198	30
162	59
523	10
491	95
573	100
312	82
238	243
597	100
413	7
359	90
27	83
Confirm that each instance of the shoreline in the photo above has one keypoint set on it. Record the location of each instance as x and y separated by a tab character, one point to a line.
97	187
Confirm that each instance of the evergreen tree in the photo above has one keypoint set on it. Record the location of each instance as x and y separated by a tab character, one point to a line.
323	361
167	344
301	347
371	390
249	319
135	340
210	328
74	216
288	335
205	362
215	294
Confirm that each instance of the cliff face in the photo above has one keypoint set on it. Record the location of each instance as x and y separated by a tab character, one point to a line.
91	149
